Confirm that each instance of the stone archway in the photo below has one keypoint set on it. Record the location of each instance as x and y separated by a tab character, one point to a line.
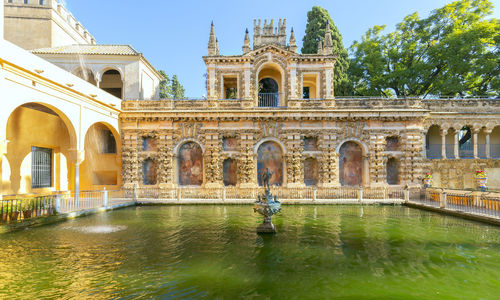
270	156
86	74
270	85
351	164
102	164
190	164
38	153
112	83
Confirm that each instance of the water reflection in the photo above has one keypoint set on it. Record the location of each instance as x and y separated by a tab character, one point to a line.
214	252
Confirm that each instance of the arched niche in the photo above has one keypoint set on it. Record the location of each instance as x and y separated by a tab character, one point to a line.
270	156
190	164
392	171
351	164
149	172
311	171
230	172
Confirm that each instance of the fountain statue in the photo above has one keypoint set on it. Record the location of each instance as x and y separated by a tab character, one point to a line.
267	205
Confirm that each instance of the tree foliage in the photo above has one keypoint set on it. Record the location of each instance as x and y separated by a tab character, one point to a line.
315	31
453	52
170	88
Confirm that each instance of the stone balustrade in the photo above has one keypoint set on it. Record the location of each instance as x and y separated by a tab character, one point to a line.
433	105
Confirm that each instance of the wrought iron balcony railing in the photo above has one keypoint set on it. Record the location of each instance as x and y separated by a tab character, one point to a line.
269	99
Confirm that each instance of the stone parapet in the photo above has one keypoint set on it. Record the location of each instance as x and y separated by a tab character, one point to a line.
431	105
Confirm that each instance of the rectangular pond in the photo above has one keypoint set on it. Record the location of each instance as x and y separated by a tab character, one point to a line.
320	252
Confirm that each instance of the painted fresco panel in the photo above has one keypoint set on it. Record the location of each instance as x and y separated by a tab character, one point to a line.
351	164
230	144
392	171
190	165
149	171
310	172
269	155
230	172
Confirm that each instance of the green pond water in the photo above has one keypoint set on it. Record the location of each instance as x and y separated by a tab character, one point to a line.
320	252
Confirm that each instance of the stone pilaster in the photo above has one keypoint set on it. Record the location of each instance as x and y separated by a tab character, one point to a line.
328	162
376	158
213	163
247	176
166	162
130	161
295	172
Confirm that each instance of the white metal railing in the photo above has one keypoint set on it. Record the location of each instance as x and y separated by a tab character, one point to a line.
286	194
474	202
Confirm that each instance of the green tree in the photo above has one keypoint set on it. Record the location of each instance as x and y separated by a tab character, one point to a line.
453	52
165	86
170	88
177	88
315	31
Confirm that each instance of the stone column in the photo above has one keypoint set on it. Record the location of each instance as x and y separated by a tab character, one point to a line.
3	151
488	146
475	132
455	145
443	143
77	157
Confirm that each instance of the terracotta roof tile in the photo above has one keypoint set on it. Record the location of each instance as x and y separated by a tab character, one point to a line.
89	50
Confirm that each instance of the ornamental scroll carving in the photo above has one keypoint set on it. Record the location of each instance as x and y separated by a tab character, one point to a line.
295	172
214	165
246	165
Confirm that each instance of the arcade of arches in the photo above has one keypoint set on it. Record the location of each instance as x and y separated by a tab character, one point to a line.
41	154
190	157
110	81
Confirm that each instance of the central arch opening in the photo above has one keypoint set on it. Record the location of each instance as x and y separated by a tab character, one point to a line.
270	79
112	83
351	164
270	156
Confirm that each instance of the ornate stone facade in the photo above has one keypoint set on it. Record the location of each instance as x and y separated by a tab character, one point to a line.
271	108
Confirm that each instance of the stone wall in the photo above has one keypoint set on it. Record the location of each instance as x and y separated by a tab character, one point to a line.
459	173
270	140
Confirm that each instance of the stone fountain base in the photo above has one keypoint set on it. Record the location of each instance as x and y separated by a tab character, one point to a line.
267	226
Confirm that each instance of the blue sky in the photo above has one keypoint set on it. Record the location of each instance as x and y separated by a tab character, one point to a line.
173	35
